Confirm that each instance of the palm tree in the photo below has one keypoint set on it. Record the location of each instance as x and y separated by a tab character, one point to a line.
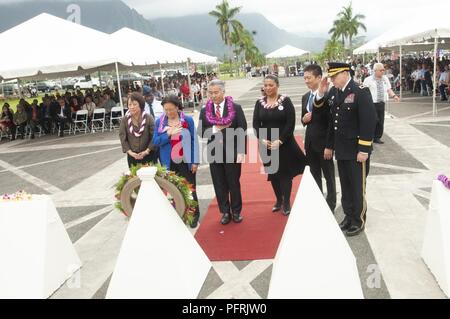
347	24
245	44
337	31
227	23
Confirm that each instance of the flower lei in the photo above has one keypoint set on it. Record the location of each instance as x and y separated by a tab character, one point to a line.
131	128
181	183
17	197
163	118
444	179
263	102
223	121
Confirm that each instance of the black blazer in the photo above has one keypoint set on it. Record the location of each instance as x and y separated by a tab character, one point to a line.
219	140
317	135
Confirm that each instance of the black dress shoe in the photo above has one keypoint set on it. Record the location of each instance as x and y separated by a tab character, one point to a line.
345	225
354	231
237	218
378	141
276	208
286	212
226	219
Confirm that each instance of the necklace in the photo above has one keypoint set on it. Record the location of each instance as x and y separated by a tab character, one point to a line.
279	102
224	121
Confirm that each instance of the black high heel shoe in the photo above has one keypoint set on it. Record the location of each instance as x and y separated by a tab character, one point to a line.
276	207
286	211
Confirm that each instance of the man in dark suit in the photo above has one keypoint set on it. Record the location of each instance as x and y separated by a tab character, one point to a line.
223	123
318	145
62	114
352	124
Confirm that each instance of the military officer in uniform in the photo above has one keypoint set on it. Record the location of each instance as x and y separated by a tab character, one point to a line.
352	127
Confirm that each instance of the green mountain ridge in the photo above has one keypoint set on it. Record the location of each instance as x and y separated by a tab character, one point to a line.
197	32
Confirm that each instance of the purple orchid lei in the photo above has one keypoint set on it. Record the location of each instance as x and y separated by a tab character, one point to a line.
224	121
444	179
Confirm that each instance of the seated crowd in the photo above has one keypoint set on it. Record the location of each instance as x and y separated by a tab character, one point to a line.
417	75
57	110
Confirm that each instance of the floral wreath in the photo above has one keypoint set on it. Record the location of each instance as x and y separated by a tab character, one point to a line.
263	102
162	121
444	179
223	121
181	184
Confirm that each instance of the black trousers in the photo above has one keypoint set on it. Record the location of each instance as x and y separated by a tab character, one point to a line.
379	128
132	161
442	89
319	165
353	187
182	169
227	186
282	187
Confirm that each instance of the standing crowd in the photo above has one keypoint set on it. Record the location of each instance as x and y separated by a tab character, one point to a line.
342	122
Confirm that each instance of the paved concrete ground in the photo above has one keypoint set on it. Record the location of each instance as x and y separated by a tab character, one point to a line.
80	172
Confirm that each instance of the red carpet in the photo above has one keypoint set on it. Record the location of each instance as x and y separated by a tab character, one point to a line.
259	234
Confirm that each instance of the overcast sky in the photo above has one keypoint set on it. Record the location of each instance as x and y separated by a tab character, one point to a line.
300	16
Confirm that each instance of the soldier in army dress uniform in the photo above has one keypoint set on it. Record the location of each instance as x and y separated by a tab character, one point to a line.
352	127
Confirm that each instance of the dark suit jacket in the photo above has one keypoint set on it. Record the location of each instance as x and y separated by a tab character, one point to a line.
217	143
318	130
56	111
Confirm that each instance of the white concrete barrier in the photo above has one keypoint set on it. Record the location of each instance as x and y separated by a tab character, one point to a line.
436	244
314	259
159	257
36	254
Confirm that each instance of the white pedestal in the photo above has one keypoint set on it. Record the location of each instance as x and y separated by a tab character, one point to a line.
436	244
36	253
314	259
159	257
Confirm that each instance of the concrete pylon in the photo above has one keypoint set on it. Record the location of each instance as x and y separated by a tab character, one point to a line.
314	260
159	258
436	244
36	253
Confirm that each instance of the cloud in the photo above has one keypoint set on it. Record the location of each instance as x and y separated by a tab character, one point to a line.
300	16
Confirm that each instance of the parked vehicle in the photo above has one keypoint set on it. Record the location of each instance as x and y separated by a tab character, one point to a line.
292	70
93	83
8	89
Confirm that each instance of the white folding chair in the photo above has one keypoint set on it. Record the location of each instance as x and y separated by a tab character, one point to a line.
5	134
98	120
117	114
80	123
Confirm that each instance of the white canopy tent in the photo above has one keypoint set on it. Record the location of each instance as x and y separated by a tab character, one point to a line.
32	55
287	51
375	45
137	49
437	32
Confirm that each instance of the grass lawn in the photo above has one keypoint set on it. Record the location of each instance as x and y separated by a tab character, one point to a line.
227	76
14	101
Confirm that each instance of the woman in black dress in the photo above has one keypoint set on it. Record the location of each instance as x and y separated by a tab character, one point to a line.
274	124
